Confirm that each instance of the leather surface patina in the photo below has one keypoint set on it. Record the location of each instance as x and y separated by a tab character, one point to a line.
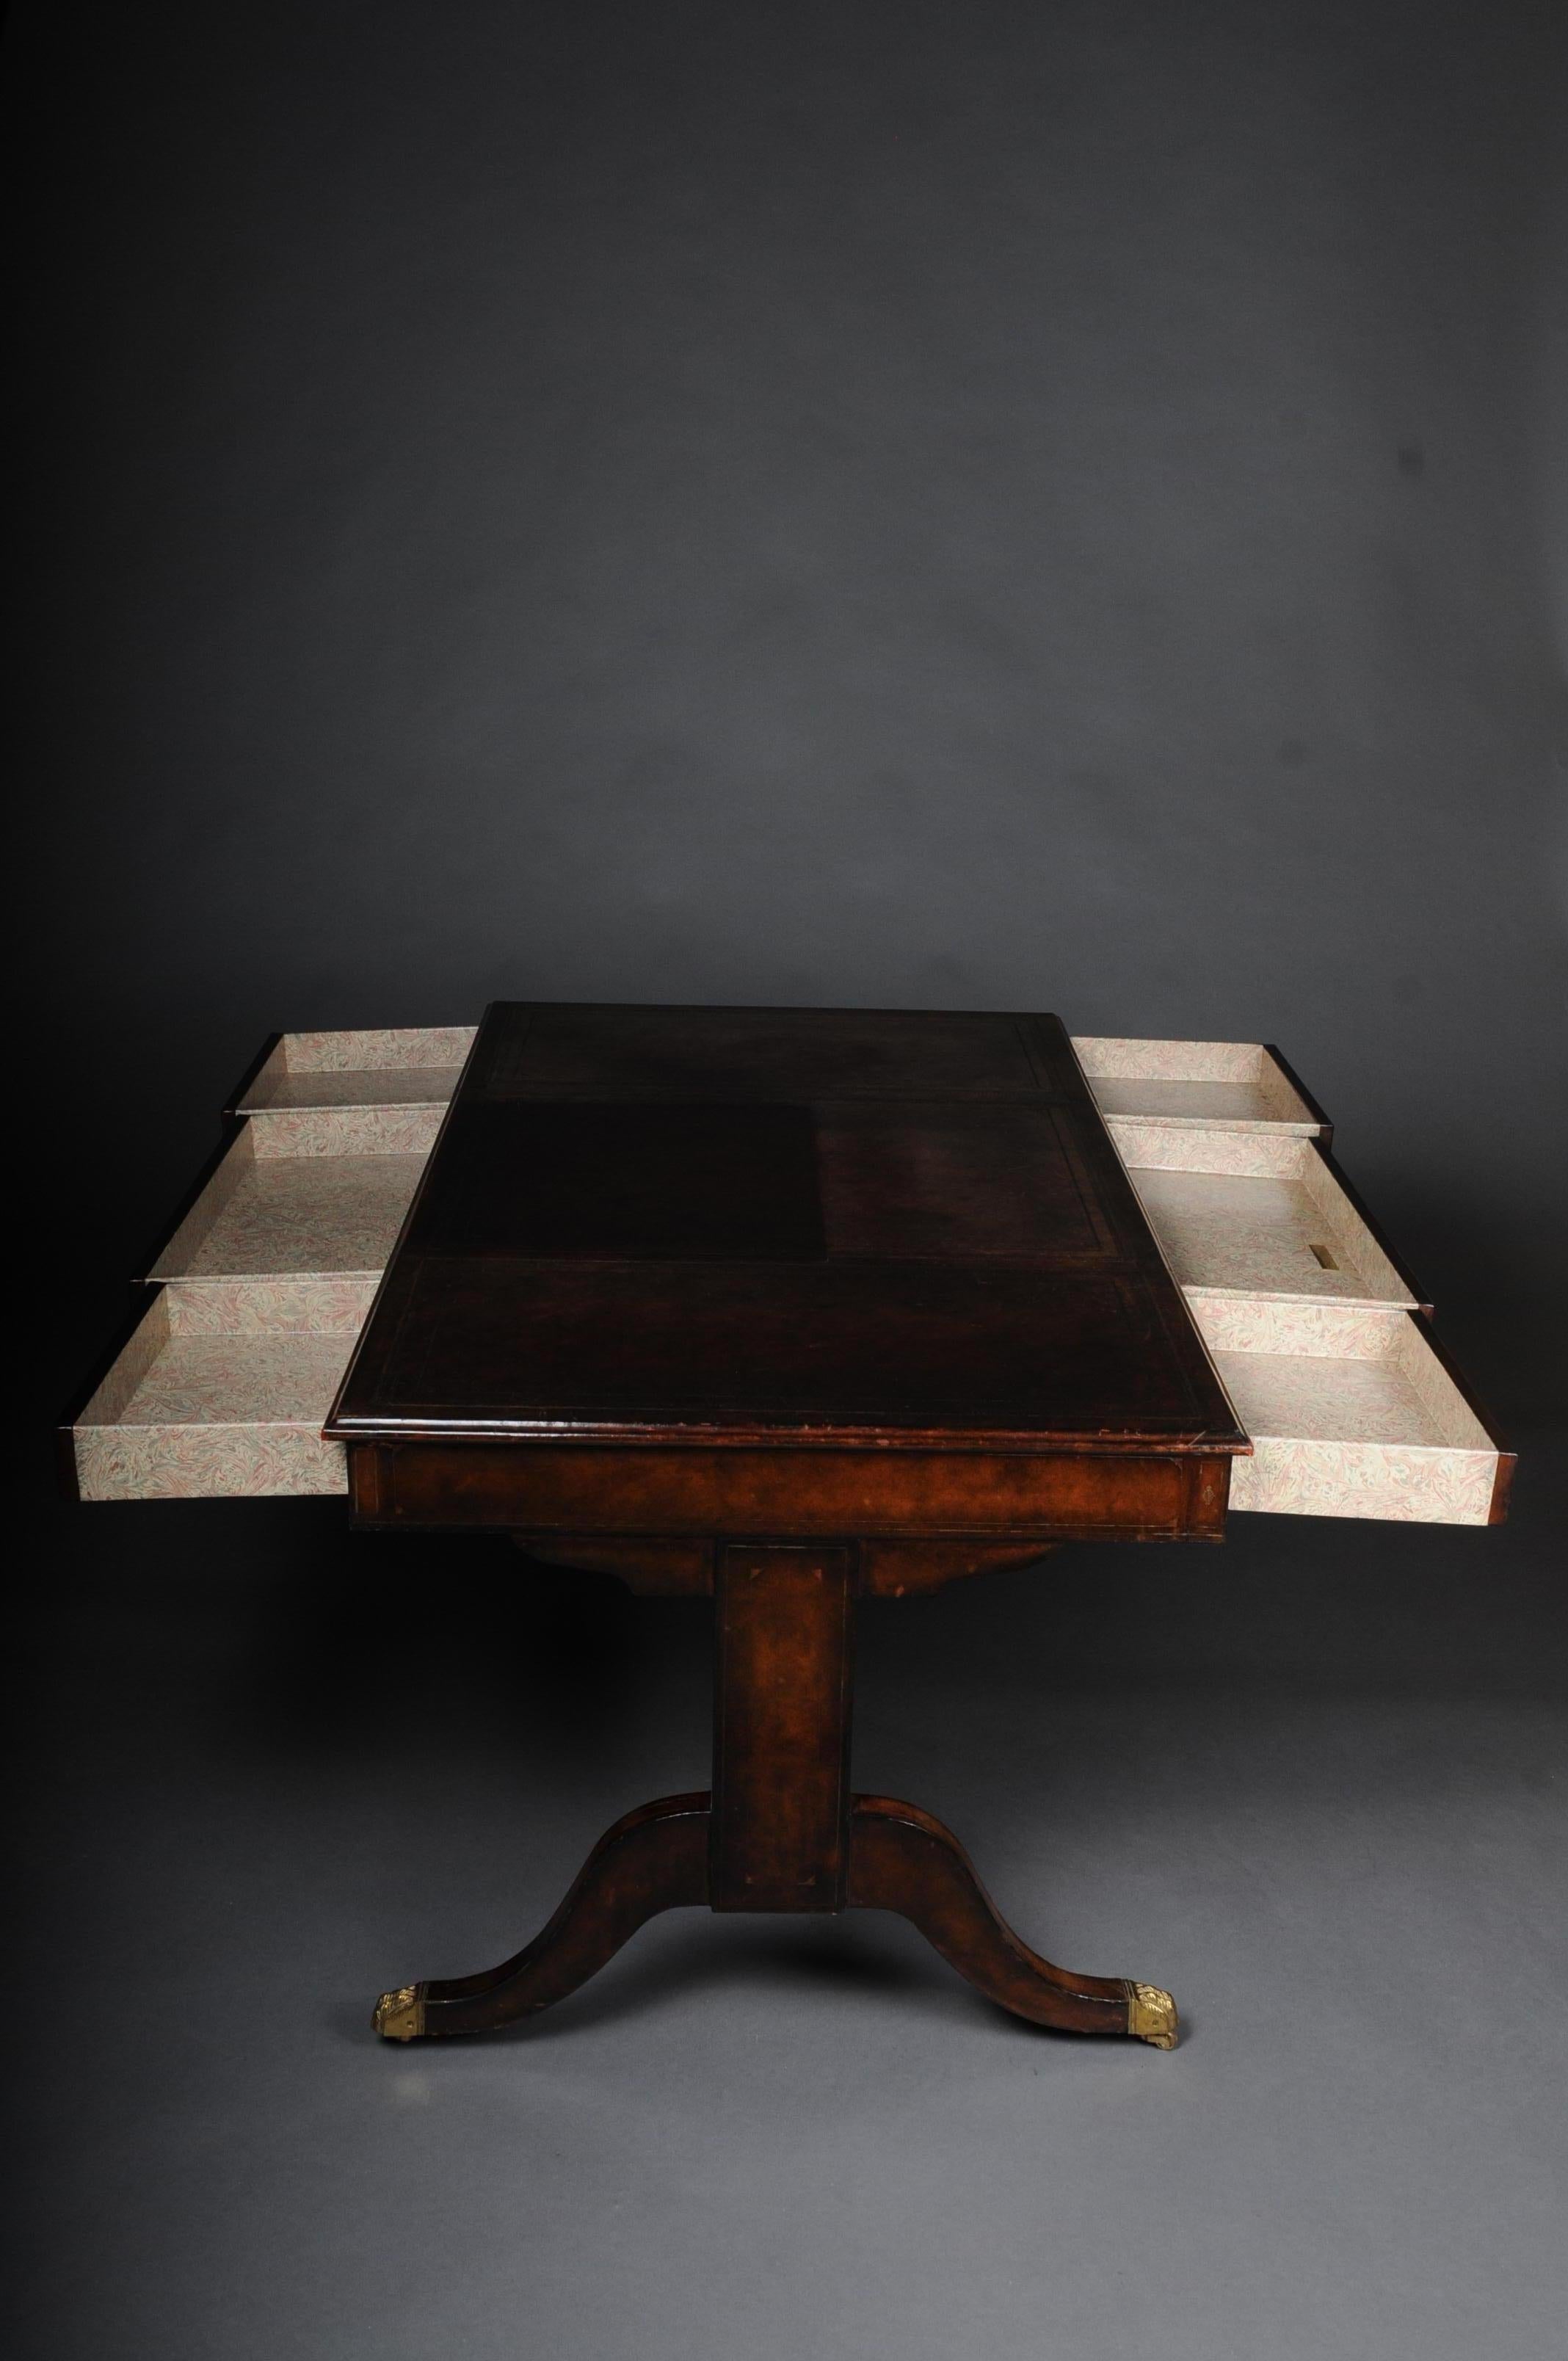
789	1225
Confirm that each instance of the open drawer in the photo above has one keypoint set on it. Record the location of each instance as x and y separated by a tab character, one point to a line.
408	1066
222	1390
1239	1085
302	1190
1352	1413
1258	1215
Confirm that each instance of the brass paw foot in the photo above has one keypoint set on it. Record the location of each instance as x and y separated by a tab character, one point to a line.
399	2015
1151	2016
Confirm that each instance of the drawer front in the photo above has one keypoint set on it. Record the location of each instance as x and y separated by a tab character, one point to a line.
259	1461
739	1491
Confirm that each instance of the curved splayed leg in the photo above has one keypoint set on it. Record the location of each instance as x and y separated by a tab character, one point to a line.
656	1859
903	1860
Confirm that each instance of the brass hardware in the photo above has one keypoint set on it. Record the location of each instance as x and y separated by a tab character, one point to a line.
399	2015
1151	2015
1325	1259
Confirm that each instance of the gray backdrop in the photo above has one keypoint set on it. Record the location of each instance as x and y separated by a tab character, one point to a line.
1058	506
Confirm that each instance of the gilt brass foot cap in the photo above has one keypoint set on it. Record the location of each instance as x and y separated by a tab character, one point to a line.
399	2015
1151	2015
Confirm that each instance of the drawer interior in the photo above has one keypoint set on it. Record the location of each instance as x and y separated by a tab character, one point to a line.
222	1390
1352	1413
408	1066
1251	1212
318	1190
1243	1085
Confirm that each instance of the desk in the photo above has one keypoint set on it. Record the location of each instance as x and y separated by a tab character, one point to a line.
786	1307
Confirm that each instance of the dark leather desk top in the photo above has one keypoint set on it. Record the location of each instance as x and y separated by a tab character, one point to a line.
786	1226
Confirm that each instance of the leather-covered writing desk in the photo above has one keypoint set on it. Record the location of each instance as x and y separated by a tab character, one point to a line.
787	1307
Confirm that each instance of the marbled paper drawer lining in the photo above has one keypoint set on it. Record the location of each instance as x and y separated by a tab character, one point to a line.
226	1384
1238	1084
1242	1213
408	1066
1351	1414
222	1390
319	1192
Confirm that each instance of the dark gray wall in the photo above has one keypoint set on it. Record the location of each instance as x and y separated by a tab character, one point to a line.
1027	506
1056	505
